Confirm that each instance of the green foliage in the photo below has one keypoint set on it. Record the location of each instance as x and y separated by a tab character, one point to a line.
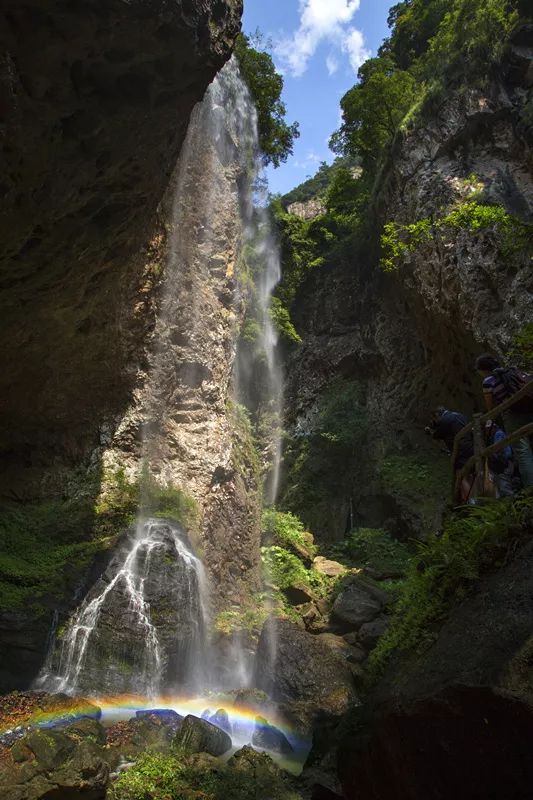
318	185
373	110
373	548
434	44
512	235
282	321
168	777
470	38
522	348
276	137
283	568
286	530
397	241
249	617
446	569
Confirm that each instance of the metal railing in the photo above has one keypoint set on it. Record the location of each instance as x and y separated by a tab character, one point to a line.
481	451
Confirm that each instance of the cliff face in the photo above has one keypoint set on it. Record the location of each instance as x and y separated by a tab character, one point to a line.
96	100
410	337
95	103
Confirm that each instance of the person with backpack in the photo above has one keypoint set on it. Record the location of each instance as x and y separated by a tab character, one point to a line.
445	425
499	384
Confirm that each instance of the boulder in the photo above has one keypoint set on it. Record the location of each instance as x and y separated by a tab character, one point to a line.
455	720
268	737
330	568
221	719
65	765
302	669
371	632
200	736
359	602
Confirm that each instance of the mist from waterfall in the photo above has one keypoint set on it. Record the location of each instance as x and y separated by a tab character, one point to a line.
144	626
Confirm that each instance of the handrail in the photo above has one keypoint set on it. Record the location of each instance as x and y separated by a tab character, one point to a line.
480	454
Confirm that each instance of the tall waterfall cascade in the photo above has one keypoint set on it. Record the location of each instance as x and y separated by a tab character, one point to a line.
144	626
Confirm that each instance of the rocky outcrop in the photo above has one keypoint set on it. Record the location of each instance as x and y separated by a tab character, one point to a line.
414	736
96	100
410	338
297	669
62	764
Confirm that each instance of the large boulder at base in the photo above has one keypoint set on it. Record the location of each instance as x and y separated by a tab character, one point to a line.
295	666
455	721
63	765
200	736
268	737
361	601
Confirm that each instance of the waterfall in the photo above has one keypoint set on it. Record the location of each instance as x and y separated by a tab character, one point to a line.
143	627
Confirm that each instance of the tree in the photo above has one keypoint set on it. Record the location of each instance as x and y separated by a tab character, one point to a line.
276	137
373	110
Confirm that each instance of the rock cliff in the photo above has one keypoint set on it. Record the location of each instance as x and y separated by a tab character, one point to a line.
409	337
96	100
91	132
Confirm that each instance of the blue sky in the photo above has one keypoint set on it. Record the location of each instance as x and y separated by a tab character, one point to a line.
318	45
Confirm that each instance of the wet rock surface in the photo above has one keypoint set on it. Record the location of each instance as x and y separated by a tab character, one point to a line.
268	737
303	670
63	764
359	602
200	736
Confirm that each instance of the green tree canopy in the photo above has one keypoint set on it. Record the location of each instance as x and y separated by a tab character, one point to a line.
373	110
276	136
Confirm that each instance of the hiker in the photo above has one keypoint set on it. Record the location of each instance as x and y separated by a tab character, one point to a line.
501	463
445	425
499	384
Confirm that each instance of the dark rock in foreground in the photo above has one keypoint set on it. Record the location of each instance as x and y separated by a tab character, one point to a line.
200	736
457	721
295	666
63	765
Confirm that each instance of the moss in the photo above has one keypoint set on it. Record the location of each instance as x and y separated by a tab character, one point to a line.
46	547
248	618
286	530
418	485
446	570
244	453
513	236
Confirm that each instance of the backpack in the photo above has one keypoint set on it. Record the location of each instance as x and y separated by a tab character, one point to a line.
513	380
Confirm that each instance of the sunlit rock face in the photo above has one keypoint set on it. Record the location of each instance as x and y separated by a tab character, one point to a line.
95	104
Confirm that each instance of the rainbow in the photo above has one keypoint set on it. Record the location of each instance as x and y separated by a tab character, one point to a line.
112	709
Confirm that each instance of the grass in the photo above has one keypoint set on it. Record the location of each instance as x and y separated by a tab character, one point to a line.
168	777
447	568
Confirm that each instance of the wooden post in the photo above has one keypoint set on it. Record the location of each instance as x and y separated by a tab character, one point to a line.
479	446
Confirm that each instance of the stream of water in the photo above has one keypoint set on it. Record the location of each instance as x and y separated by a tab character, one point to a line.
143	628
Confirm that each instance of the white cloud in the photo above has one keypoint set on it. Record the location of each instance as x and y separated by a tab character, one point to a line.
322	20
354	45
311	160
332	64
